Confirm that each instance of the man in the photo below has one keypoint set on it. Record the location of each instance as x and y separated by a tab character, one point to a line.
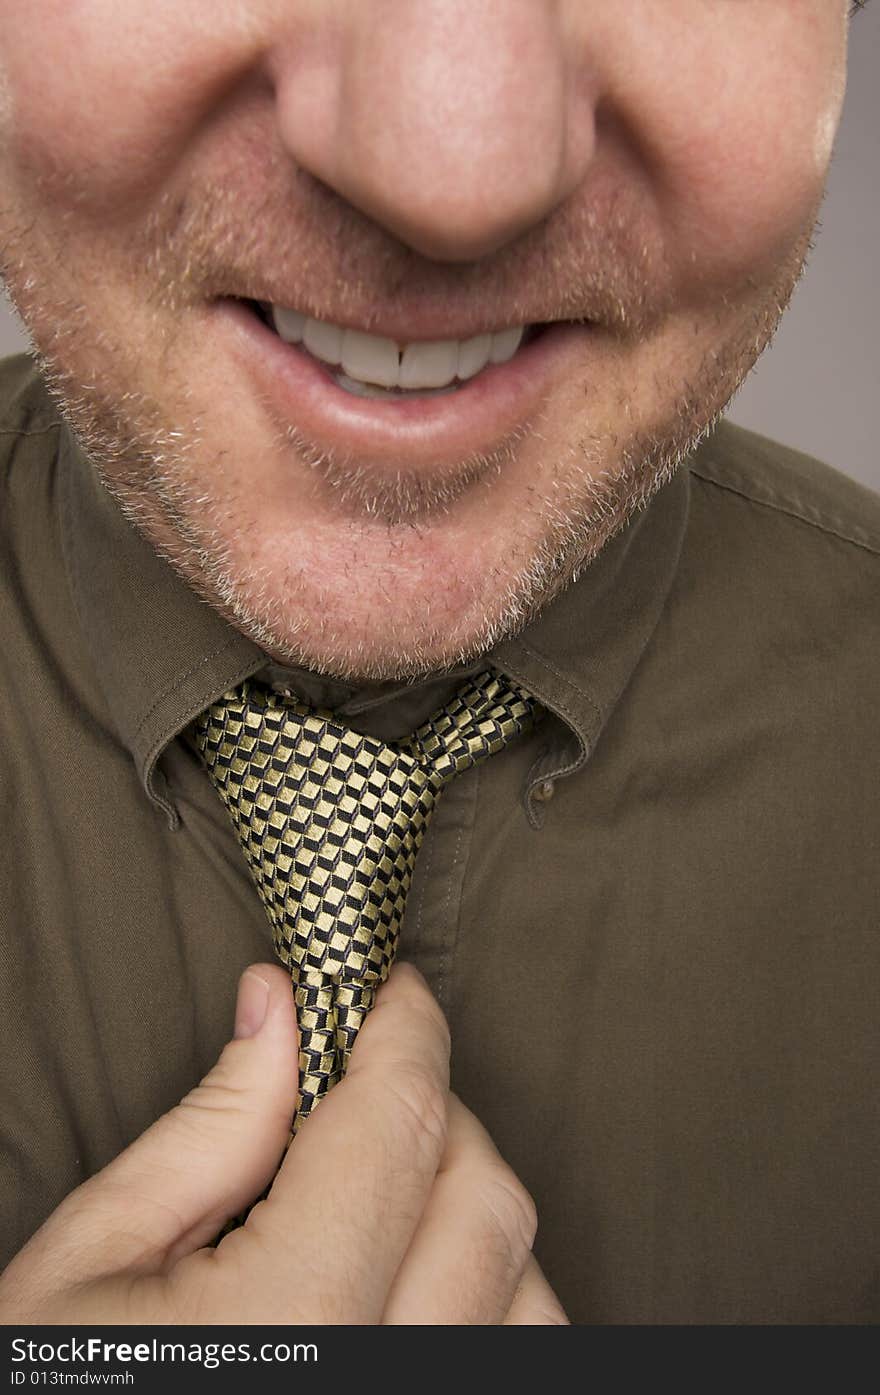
366	330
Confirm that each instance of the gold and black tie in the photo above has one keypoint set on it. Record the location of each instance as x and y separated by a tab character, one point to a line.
330	822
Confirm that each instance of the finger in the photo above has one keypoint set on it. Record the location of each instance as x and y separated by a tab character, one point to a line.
354	1184
468	1255
535	1304
200	1164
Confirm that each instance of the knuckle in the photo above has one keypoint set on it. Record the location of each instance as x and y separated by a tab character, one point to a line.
436	1019
419	1105
510	1211
221	1092
410	992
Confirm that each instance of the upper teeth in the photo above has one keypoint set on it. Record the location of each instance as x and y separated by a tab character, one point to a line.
370	359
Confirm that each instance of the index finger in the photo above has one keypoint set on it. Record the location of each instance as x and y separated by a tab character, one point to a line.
351	1191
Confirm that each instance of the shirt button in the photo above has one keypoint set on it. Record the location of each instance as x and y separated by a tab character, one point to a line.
544	791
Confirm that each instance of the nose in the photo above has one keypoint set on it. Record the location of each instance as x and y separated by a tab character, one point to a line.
455	124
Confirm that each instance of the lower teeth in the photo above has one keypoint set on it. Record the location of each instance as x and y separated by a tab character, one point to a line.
371	390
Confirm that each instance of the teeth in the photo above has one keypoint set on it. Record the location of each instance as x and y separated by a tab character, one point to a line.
429	365
324	340
505	345
289	324
368	360
368	390
473	355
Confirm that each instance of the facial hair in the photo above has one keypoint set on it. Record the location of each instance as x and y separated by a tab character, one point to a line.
153	460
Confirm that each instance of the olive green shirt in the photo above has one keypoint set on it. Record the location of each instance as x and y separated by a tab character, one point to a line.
652	923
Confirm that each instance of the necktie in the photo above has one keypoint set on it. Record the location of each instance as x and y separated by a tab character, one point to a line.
330	822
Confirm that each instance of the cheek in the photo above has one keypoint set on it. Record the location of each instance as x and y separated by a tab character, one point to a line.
745	117
117	92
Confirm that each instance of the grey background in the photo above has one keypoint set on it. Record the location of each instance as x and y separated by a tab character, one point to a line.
815	386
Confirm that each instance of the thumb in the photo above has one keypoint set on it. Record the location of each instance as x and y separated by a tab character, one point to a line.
197	1166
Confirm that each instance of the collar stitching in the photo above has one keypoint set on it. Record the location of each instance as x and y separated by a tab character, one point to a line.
182	678
563	678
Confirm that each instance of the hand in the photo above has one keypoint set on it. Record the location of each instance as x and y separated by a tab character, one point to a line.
391	1206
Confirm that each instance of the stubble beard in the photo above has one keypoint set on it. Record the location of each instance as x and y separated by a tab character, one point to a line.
151	472
156	468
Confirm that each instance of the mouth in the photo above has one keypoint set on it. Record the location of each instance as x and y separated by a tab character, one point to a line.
397	404
375	366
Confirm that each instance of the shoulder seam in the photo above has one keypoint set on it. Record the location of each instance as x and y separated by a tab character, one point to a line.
785	506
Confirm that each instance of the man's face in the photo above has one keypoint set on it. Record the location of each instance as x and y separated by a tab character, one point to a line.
638	177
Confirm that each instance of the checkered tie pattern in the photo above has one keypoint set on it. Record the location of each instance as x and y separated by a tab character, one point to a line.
330	822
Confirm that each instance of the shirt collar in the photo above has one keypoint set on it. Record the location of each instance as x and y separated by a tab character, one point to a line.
162	655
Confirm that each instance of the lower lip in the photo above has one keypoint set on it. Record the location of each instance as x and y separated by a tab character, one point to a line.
479	415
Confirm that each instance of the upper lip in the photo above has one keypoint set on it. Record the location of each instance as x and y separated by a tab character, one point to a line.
425	323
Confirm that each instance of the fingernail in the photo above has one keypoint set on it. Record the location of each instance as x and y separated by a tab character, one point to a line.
251	1004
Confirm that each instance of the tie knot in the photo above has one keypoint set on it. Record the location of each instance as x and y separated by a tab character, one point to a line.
330	820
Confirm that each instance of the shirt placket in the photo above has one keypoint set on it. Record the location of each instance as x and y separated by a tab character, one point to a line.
429	931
